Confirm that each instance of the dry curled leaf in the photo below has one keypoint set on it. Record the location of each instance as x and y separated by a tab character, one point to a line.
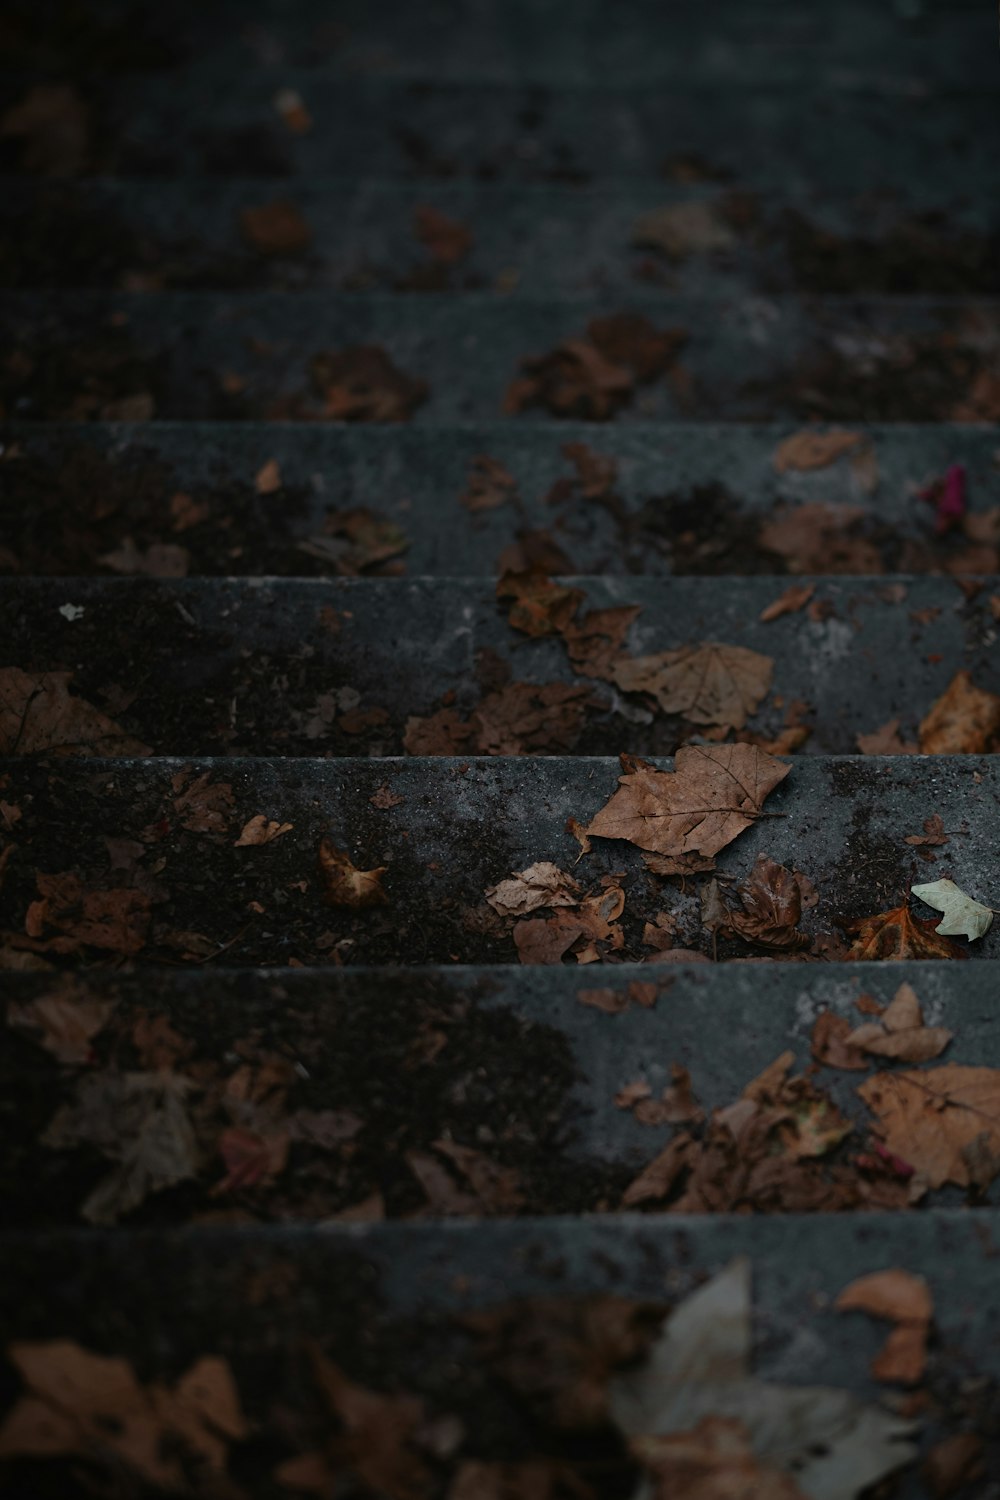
794	598
542	884
904	1299
708	684
711	796
770	908
38	714
900	1033
965	720
344	884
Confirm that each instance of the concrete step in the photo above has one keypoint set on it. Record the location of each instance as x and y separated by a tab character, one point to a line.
688	498
339	666
805	137
519	1066
893	46
540	241
391	1307
189	356
172	841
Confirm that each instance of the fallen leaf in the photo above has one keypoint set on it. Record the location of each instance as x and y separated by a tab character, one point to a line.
159	560
140	1121
201	804
903	1299
696	227
344	884
358	541
965	720
116	920
262	830
897	935
92	1407
962	915
953	1463
268	478
542	884
292	109
533	1479
361	384
275	228
596	472
770	908
931	1118
548	940
698	1374
447	241
713	1460
794	598
900	1032
384	798
488	486
540	607
886	741
819	538
251	1159
592	377
526	718
38	715
810	449
709	684
830	1046
933	833
64	1021
711	796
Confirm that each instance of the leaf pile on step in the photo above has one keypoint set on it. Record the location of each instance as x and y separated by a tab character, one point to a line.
594	376
582	925
362	384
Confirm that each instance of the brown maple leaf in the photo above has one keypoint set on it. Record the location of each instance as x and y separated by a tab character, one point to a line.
593	377
945	1122
900	1033
526	718
711	796
709	684
541	884
965	720
39	714
344	884
358	541
897	935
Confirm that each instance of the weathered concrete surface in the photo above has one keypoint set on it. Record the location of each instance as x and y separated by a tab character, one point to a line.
260	667
462	826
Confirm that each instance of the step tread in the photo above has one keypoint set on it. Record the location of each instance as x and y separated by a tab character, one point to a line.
285	667
462	826
519	1067
120	234
824	138
199	355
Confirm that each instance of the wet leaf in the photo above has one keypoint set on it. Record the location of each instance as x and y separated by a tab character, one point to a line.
39	714
965	720
708	684
344	884
962	915
712	795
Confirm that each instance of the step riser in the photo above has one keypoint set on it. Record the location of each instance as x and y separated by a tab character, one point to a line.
758	361
418	1059
462	826
238	669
